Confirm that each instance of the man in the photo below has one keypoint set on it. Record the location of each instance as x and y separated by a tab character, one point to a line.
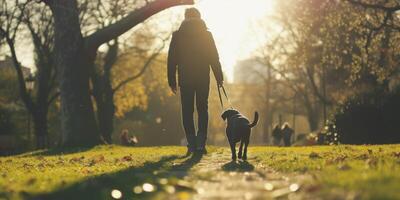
192	51
277	135
287	133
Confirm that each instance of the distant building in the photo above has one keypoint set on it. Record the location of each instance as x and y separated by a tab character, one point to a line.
249	71
7	63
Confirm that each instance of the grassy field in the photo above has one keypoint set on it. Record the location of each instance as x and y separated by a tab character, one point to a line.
370	172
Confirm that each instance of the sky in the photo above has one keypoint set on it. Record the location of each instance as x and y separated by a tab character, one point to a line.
233	23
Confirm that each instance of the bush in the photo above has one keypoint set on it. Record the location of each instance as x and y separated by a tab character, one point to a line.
371	118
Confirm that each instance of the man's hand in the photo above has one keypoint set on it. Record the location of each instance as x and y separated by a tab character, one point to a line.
220	83
173	88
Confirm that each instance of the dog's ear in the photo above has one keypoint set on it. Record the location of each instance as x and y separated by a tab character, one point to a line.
224	115
235	112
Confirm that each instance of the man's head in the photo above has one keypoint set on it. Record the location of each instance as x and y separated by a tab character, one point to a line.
192	13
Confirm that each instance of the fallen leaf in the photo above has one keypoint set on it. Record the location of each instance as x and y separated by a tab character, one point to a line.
127	158
96	159
314	155
31	181
313	188
86	171
338	159
27	165
40	165
396	154
40	157
372	162
60	162
362	156
344	167
76	159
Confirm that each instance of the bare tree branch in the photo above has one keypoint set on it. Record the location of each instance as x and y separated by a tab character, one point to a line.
134	18
142	71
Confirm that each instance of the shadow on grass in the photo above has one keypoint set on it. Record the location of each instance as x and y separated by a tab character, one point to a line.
238	166
56	151
125	181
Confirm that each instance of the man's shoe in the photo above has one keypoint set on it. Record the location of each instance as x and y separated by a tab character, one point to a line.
202	151
189	152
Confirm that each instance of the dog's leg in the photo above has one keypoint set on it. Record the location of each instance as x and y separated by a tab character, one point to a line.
246	143
240	149
233	149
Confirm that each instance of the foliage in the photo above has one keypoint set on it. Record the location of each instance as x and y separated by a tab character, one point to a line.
347	50
370	118
135	94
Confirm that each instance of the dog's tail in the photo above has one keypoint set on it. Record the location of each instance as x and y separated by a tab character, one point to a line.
255	120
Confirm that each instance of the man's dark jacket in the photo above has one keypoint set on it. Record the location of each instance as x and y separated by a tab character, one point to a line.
192	51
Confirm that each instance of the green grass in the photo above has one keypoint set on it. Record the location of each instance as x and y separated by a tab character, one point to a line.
32	174
371	172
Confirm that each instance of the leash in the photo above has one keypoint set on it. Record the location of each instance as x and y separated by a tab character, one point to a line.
226	96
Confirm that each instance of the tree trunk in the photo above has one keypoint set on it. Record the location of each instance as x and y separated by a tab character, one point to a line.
312	113
40	128
104	97
105	115
103	93
78	125
313	122
268	114
75	58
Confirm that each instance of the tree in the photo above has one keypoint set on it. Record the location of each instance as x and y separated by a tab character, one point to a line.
107	83
103	78
351	47
381	28
39	25
286	56
75	57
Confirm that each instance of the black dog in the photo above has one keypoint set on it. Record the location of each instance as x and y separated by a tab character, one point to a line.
238	129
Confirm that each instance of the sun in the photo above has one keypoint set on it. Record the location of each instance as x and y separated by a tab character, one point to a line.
232	23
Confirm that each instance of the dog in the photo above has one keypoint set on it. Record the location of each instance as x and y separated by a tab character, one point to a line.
238	130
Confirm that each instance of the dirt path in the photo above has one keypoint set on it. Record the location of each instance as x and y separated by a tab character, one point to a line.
216	177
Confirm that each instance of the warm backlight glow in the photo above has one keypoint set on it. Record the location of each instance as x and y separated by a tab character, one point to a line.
234	26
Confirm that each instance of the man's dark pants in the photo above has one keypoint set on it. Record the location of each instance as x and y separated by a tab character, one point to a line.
188	96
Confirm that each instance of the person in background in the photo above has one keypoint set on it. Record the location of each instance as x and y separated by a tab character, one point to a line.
287	134
277	135
126	140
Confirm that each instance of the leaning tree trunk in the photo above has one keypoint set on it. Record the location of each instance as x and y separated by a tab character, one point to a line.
77	116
